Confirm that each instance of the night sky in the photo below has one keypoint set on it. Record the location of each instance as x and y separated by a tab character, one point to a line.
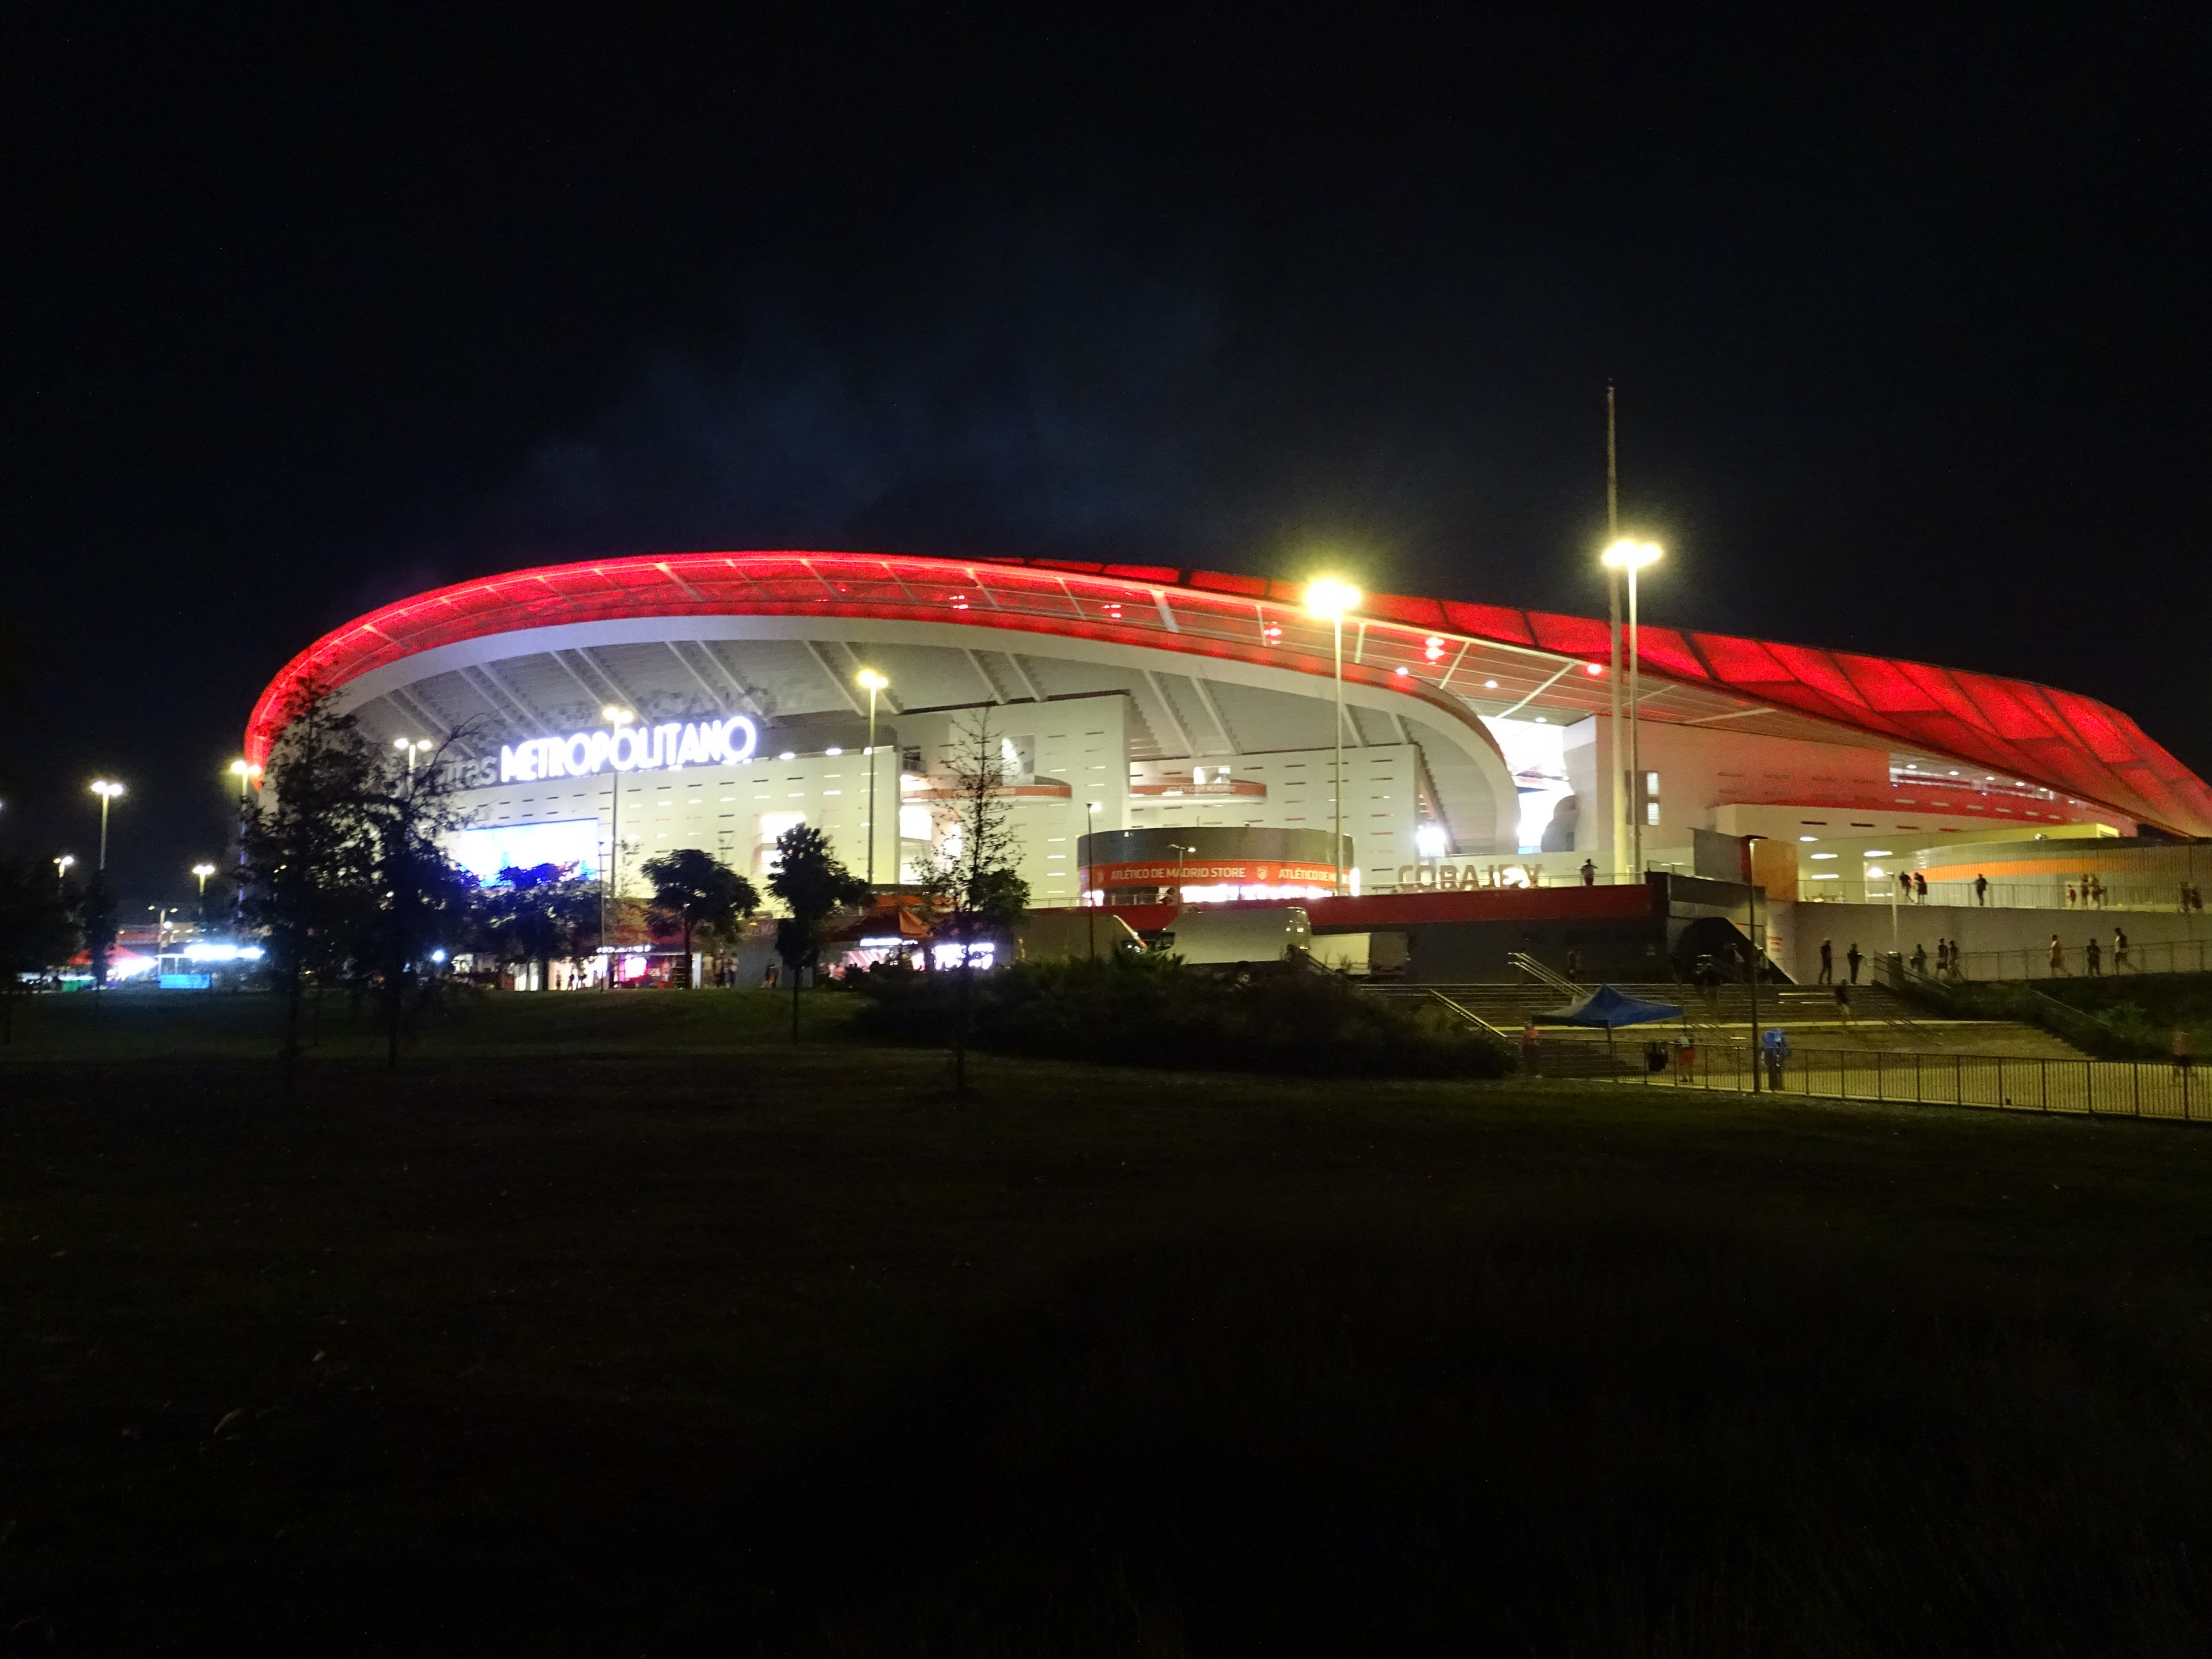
307	310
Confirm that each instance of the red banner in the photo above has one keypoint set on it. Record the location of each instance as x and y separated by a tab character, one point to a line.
1267	872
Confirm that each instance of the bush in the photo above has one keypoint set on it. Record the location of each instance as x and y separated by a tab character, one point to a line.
1151	1011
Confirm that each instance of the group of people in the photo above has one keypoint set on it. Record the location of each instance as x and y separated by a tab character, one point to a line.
2092	955
1948	965
1852	957
2089	894
1912	886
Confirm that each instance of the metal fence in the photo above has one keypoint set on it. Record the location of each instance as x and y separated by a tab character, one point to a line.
2047	893
2104	1088
2190	956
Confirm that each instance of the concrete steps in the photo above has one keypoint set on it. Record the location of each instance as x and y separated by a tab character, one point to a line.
1883	1021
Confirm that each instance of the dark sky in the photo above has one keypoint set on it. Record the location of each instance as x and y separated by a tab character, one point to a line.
307	308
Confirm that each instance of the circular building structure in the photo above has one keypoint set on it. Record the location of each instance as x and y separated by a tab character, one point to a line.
1475	738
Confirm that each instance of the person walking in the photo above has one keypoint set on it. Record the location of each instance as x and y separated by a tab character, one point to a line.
1920	887
1942	958
1920	959
2119	950
1532	1044
1844	1006
1590	872
2093	954
1981	889
1775	1048
1574	967
2057	955
1854	959
1904	885
1827	962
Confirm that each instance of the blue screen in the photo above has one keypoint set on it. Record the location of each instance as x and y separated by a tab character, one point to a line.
571	843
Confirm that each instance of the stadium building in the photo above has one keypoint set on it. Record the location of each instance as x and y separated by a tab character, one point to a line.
1164	729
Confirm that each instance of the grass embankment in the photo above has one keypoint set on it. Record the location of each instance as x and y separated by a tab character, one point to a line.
2143	1011
566	1339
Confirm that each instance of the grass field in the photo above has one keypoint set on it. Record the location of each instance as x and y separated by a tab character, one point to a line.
617	1325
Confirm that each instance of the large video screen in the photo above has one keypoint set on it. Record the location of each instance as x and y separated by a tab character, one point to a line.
572	844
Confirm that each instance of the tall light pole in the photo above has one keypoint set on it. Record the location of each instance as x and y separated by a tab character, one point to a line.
244	771
413	748
1329	598
107	792
61	872
1633	556
1757	951
203	870
610	885
1619	816
873	682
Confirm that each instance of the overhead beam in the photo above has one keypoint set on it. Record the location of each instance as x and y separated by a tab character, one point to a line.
975	662
1565	671
1159	692
837	679
1213	713
1022	674
628	699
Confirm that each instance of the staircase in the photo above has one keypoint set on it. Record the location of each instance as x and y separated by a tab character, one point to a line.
1881	1020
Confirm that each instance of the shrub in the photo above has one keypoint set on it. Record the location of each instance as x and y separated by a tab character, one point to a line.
1150	1010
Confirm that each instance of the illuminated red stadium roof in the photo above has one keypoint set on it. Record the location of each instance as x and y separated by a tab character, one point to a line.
2075	744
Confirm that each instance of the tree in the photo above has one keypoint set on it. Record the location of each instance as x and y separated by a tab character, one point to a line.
696	890
98	920
36	932
814	887
972	882
310	849
538	913
419	899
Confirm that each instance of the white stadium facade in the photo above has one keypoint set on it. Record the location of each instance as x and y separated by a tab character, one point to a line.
1144	699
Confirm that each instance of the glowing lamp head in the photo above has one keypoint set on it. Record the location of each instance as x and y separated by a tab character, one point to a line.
1627	554
1328	597
869	680
64	861
106	790
1593	668
203	871
238	768
615	715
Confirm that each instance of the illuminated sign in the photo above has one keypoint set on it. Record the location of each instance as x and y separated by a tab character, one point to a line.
629	749
1238	873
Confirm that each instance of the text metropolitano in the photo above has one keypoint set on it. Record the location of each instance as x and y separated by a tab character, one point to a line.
629	749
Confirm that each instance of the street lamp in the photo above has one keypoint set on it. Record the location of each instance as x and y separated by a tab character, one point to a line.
107	792
873	682
1633	556
412	748
611	890
1327	597
61	871
244	771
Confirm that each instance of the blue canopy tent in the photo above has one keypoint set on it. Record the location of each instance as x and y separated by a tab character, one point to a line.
1609	1005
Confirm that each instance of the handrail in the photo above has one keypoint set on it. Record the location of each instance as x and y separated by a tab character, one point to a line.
1543	975
1503	1040
2061	1020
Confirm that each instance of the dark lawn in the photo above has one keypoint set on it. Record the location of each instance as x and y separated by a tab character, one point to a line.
608	1326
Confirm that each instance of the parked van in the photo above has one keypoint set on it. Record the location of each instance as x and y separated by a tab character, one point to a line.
1062	935
1275	933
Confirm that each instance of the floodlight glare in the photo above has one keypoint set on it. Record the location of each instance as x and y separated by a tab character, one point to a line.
1328	597
868	680
615	714
1626	554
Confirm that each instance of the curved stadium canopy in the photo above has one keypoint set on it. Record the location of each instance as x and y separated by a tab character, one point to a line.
1457	661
